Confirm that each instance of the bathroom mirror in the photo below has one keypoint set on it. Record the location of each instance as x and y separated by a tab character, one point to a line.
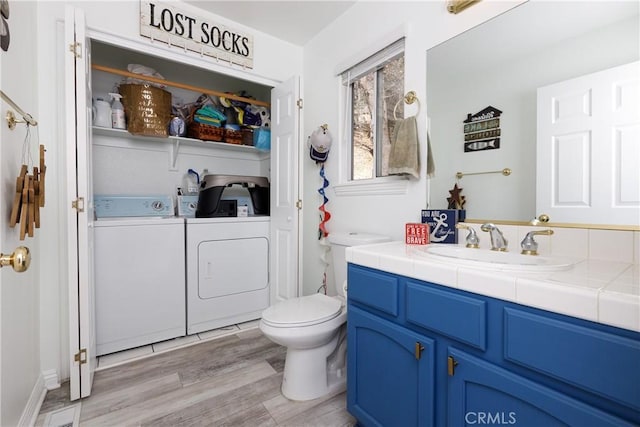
500	64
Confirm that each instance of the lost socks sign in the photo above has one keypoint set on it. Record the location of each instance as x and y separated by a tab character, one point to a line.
167	24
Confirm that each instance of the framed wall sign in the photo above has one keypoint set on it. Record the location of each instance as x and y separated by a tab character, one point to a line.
163	22
482	130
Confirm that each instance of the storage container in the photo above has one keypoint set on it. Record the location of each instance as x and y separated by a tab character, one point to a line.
147	109
262	139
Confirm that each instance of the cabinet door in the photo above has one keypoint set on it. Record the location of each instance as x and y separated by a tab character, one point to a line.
482	393
80	235
390	369
284	196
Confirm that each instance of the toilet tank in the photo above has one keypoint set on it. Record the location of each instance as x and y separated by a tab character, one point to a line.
339	242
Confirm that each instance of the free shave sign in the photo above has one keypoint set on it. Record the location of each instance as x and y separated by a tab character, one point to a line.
165	23
416	234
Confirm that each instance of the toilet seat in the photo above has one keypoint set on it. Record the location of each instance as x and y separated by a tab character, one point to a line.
303	311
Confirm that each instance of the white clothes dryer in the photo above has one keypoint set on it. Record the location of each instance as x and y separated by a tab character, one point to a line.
227	271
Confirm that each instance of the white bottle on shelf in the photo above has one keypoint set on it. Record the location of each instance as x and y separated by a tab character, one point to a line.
117	112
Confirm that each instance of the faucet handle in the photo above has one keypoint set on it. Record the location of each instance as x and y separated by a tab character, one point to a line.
472	238
529	245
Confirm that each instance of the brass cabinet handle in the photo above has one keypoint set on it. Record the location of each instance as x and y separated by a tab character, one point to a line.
418	350
543	218
19	259
451	365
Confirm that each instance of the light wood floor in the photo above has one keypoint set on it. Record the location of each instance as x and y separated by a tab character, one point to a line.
229	381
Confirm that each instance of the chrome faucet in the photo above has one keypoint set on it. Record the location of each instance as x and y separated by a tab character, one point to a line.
529	245
472	238
498	242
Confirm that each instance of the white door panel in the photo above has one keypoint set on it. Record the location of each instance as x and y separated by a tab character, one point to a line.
284	190
82	342
626	155
588	159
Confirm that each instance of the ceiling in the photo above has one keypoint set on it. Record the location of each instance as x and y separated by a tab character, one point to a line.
293	21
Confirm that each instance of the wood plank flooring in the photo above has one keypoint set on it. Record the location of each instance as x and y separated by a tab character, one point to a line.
230	381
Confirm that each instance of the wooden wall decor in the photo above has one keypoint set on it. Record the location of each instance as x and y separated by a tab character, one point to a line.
482	130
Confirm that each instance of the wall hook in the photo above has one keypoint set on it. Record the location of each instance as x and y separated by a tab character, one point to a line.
11	117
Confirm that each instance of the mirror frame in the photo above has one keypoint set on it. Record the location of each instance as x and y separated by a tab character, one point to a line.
557	224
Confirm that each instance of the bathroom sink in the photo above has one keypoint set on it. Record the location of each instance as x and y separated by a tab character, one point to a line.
512	261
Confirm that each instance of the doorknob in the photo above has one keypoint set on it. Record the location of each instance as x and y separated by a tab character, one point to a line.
543	218
19	259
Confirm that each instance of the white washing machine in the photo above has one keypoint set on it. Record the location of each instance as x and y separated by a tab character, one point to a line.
227	271
139	281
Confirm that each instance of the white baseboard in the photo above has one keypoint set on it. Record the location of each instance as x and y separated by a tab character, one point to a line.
32	408
51	380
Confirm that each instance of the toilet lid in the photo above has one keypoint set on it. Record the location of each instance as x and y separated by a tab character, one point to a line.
303	311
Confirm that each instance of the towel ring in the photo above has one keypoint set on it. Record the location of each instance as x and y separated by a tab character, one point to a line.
409	99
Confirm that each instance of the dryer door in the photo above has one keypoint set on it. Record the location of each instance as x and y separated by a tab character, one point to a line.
232	266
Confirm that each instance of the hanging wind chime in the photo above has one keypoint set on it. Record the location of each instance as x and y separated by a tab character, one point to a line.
319	144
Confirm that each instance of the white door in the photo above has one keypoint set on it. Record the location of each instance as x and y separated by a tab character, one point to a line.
79	219
588	165
19	292
285	141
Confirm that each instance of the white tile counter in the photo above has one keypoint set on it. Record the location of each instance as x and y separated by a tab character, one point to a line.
602	291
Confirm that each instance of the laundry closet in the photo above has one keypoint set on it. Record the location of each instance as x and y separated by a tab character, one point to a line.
159	275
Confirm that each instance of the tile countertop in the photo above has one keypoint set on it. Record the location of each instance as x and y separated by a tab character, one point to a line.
601	291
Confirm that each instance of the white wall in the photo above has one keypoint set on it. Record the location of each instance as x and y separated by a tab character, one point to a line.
424	24
20	345
274	61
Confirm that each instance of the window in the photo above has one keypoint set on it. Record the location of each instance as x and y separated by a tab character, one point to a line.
374	88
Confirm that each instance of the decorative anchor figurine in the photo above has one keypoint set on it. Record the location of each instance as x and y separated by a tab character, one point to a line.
456	201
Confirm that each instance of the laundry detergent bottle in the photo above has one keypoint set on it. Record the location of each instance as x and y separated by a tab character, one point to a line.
117	112
191	183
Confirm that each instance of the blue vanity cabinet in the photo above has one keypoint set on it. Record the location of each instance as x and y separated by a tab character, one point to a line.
390	379
390	373
483	393
483	361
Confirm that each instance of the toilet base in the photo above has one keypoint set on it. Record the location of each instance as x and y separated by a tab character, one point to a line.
308	375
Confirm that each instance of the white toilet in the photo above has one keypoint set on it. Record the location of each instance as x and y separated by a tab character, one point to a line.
313	328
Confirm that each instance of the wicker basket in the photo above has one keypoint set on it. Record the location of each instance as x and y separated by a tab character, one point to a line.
233	136
247	136
147	109
205	132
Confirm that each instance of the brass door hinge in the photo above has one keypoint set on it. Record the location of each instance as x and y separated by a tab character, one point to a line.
299	103
76	49
417	351
451	366
78	204
81	356
299	204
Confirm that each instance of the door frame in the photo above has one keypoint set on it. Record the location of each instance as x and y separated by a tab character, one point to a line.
173	55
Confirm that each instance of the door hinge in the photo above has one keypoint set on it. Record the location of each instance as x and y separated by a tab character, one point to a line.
76	49
417	351
299	204
299	103
78	204
451	365
81	356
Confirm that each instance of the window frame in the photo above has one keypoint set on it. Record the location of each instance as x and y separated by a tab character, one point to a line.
391	184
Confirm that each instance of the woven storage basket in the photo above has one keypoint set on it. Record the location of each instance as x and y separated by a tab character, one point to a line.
147	109
232	136
247	136
205	132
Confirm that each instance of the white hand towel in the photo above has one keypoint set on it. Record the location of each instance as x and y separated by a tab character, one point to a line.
404	156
